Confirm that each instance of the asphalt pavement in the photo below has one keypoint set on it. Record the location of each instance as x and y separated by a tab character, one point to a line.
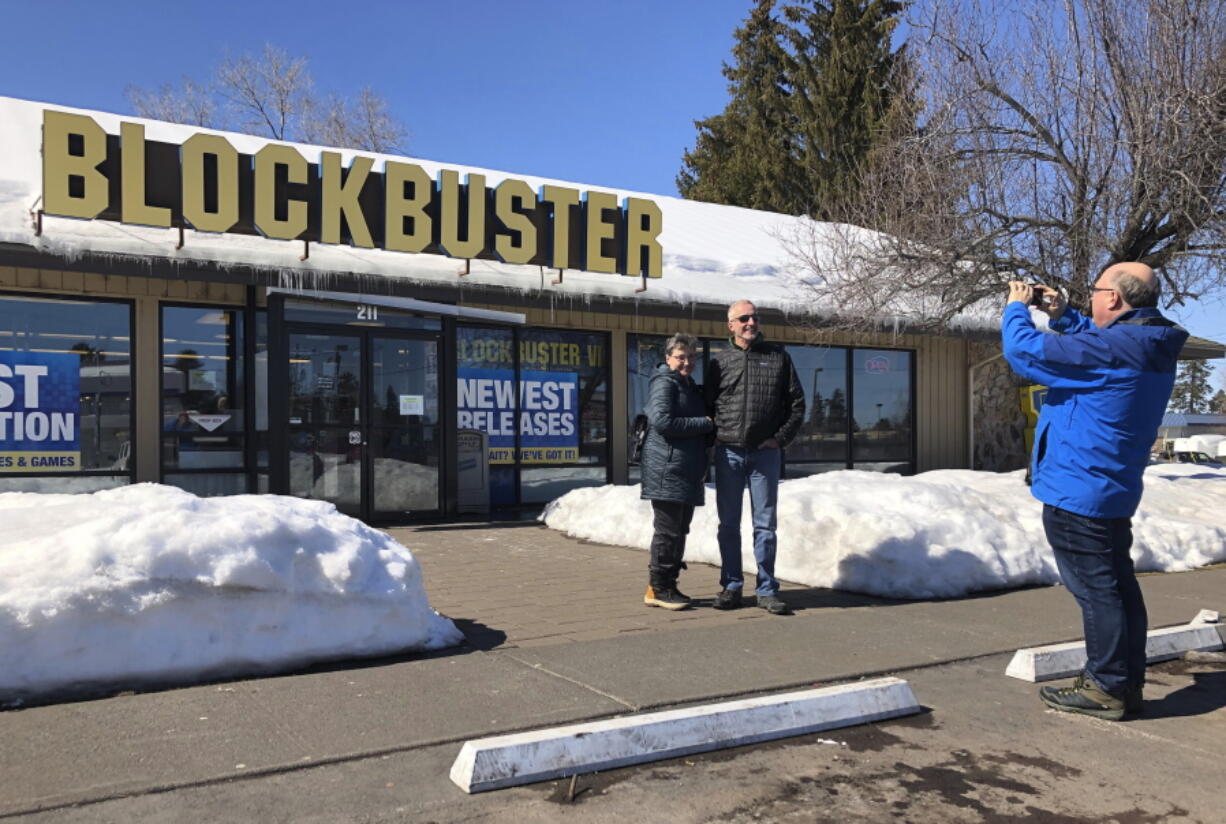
557	633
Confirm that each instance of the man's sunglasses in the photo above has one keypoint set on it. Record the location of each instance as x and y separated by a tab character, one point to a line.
745	318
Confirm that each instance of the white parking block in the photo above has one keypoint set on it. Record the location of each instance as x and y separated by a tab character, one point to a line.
522	758
1063	660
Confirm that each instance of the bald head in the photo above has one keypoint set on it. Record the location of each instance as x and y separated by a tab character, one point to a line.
1136	283
1121	288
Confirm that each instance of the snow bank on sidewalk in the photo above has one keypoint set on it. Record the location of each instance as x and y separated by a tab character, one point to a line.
151	583
934	535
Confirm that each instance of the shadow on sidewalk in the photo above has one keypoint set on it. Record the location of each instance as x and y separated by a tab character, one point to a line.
477	637
467	525
1206	693
820	598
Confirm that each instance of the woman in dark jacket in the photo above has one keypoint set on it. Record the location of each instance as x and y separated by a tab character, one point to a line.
674	464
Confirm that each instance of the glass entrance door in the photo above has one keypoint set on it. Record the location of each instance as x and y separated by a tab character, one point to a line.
404	438
363	421
325	423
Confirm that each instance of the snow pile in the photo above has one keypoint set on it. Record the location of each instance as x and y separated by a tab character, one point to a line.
935	535
151	583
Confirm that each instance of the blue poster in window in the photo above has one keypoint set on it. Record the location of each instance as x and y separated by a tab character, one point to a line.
549	423
40	411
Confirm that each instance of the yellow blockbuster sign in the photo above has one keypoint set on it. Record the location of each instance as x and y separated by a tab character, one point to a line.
205	183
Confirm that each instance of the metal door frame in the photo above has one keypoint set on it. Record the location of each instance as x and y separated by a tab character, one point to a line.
279	331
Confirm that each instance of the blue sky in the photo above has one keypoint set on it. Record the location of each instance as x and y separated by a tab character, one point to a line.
597	93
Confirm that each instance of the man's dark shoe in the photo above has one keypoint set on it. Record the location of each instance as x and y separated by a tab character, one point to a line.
728	599
1133	703
774	605
1083	697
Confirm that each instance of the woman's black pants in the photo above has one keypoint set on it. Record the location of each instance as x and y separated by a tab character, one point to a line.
672	524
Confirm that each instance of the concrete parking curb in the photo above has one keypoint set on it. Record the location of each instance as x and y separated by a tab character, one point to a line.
510	760
1063	660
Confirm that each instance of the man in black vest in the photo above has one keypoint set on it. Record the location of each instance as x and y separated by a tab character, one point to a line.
755	398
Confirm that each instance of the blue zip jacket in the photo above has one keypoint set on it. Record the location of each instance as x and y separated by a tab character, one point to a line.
1107	391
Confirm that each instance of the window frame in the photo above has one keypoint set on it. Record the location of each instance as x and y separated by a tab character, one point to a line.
133	382
245	317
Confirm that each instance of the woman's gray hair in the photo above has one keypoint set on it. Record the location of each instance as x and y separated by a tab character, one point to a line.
682	340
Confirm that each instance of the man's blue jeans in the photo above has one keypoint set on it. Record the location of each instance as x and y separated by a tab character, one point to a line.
1092	555
734	469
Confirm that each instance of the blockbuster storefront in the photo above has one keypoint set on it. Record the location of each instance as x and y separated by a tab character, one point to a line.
406	340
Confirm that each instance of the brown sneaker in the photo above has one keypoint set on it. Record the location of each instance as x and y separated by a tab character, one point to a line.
1083	697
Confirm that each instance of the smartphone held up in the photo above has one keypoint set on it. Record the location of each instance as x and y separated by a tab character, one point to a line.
1042	297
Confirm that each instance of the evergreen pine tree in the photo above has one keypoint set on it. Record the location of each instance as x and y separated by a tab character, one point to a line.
845	86
1217	405
746	155
811	95
1191	392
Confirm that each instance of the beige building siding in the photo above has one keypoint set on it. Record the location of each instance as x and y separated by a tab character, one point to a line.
119	286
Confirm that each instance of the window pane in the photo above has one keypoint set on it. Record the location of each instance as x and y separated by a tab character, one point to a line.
404	382
896	467
485	400
540	485
324	384
803	470
563	381
823	375
325	465
208	485
882	415
405	468
72	405
259	385
60	484
202	388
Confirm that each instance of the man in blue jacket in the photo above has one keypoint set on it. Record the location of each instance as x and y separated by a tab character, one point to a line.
1109	377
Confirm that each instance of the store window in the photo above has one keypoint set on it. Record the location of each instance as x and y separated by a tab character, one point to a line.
881	411
65	394
259	386
858	411
822	439
564	412
485	361
203	400
549	436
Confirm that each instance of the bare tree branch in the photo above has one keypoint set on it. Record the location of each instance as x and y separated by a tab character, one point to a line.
1056	140
272	93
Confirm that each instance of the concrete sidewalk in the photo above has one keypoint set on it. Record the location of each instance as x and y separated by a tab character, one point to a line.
558	633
